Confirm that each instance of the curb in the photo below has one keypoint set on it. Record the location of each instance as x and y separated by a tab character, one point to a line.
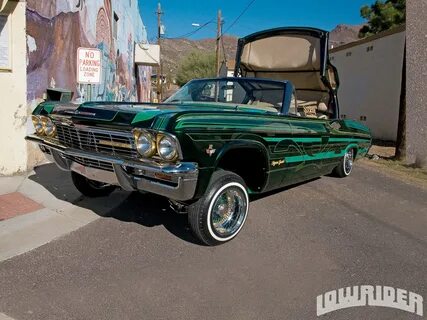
29	231
5	317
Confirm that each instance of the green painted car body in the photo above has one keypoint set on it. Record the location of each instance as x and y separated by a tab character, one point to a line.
267	149
280	149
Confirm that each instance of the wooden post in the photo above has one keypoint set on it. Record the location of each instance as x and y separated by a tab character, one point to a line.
159	68
218	46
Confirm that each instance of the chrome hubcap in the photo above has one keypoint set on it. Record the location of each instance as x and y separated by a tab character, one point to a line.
348	161
229	211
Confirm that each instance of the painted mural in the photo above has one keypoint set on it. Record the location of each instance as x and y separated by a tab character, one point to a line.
57	28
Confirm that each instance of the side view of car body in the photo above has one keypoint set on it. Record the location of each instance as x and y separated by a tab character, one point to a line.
216	141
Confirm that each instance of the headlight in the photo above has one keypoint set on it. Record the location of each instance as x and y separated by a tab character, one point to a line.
145	143
167	148
38	126
48	126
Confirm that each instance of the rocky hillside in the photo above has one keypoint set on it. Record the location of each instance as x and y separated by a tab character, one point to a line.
344	33
174	50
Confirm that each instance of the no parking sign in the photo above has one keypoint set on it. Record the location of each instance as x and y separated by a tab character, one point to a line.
89	66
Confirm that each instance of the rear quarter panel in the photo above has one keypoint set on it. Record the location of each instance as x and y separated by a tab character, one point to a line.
207	136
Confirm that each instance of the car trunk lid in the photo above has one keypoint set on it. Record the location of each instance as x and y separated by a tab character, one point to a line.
296	54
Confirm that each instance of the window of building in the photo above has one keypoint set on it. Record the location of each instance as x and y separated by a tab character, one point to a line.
348	54
5	43
115	25
370	48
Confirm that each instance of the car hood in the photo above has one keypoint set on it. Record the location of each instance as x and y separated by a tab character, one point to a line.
134	114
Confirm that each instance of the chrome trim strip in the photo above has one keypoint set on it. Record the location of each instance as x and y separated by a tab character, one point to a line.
183	175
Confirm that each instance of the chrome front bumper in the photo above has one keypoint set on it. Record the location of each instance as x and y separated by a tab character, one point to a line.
174	181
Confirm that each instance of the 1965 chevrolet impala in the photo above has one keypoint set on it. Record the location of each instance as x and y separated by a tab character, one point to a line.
216	141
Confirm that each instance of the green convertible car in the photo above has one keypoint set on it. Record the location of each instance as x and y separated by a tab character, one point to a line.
216	141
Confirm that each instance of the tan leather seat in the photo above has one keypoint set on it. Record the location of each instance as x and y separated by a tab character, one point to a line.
322	110
322	107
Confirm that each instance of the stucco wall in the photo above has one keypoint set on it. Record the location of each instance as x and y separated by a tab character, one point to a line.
370	83
416	97
13	110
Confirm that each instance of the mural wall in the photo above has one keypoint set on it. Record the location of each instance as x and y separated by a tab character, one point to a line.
57	28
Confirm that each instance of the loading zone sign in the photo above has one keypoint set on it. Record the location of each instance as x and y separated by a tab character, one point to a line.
88	66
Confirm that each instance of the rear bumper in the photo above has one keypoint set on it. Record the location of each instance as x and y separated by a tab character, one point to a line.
174	181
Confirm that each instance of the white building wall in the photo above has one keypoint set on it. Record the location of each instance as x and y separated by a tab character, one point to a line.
370	81
13	92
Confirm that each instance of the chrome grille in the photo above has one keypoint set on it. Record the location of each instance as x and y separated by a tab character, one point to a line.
91	139
91	163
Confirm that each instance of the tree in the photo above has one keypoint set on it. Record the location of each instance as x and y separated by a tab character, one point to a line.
196	65
382	16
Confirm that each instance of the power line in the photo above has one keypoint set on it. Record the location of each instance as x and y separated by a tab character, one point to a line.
189	34
238	17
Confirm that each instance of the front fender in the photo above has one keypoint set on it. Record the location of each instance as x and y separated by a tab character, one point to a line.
242	144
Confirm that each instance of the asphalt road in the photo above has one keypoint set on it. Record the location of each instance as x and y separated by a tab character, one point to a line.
139	260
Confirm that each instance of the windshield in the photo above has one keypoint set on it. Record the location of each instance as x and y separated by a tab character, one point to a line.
267	95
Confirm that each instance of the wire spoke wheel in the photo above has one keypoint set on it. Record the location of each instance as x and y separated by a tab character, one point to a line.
229	211
348	161
220	214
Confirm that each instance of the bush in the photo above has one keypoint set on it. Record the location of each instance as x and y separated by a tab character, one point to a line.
196	65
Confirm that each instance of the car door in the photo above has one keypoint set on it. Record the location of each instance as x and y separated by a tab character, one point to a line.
300	56
311	137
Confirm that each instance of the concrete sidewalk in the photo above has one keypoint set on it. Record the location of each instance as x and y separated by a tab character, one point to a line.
31	215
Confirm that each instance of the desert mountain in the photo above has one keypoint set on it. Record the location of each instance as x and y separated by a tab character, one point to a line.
173	50
344	33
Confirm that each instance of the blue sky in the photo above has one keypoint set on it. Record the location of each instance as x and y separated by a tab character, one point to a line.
263	14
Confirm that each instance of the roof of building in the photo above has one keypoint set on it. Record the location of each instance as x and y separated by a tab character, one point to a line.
383	34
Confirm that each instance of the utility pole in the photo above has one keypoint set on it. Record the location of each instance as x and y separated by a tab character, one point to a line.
218	39
159	68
